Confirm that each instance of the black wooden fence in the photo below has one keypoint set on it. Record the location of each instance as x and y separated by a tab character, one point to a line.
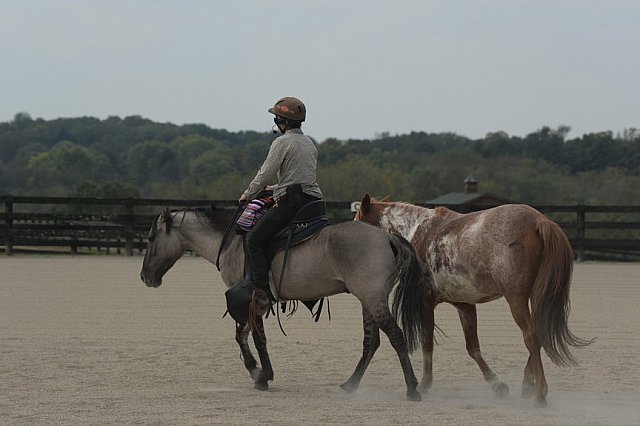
77	225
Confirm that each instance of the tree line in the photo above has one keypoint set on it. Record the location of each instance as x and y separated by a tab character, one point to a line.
136	157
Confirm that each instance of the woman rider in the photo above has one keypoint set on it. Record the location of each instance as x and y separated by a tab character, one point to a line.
290	168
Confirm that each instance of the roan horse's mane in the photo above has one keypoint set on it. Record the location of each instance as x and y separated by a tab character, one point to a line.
372	200
440	211
387	200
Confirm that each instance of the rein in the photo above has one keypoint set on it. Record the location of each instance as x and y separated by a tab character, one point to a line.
279	286
227	231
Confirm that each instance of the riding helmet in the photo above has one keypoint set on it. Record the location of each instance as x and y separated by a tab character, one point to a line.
291	108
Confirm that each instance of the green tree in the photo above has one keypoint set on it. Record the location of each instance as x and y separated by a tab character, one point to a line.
595	151
546	144
354	177
202	158
151	161
498	144
106	190
66	164
209	166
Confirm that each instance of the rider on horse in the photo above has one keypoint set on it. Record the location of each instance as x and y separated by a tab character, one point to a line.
290	168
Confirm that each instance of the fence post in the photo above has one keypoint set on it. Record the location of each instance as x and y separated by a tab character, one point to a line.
128	244
581	232
8	209
74	245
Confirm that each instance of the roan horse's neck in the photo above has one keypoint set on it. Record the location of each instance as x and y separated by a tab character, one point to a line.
401	218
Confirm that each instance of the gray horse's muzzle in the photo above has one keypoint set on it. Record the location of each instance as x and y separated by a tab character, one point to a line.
149	281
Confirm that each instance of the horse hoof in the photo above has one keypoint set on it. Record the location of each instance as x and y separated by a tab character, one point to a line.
348	386
255	374
541	401
500	389
262	386
414	395
527	391
424	387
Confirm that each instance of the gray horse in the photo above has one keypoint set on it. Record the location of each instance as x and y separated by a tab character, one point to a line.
350	256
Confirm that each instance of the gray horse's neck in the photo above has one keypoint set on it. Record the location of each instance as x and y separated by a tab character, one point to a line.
198	235
203	237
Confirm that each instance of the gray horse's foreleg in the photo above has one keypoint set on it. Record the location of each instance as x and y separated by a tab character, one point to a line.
260	340
469	319
387	324
370	344
250	363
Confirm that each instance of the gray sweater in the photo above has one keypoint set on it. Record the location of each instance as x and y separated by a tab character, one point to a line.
292	159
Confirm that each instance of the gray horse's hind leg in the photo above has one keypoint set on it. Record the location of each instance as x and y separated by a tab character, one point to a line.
469	319
260	340
370	344
242	336
387	324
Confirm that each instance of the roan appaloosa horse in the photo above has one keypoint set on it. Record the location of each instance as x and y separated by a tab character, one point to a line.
512	251
355	257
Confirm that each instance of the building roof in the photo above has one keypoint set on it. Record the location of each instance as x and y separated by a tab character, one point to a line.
468	198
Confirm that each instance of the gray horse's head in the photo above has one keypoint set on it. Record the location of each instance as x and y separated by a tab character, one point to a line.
163	250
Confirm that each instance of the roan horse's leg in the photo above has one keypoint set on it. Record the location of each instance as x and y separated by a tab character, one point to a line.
469	319
528	379
242	335
427	352
520	311
260	340
370	344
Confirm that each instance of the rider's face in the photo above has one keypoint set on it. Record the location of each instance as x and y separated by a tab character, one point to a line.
280	123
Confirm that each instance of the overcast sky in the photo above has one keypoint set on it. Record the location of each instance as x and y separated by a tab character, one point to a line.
362	67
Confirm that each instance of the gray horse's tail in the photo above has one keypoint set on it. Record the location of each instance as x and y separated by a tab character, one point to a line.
550	296
412	300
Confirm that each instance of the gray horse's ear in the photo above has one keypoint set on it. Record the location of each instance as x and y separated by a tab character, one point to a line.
165	214
365	203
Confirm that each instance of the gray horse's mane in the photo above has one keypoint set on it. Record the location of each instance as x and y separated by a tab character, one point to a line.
218	219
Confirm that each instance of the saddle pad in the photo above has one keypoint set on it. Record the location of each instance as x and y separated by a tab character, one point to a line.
301	232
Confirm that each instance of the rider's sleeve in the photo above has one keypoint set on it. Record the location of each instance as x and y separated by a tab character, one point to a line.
268	173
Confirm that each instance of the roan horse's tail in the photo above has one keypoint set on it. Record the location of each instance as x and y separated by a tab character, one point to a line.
550	296
412	295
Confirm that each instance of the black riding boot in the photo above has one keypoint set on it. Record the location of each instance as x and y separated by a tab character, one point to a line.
260	276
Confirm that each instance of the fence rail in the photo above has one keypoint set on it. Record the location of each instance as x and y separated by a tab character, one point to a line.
28	223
